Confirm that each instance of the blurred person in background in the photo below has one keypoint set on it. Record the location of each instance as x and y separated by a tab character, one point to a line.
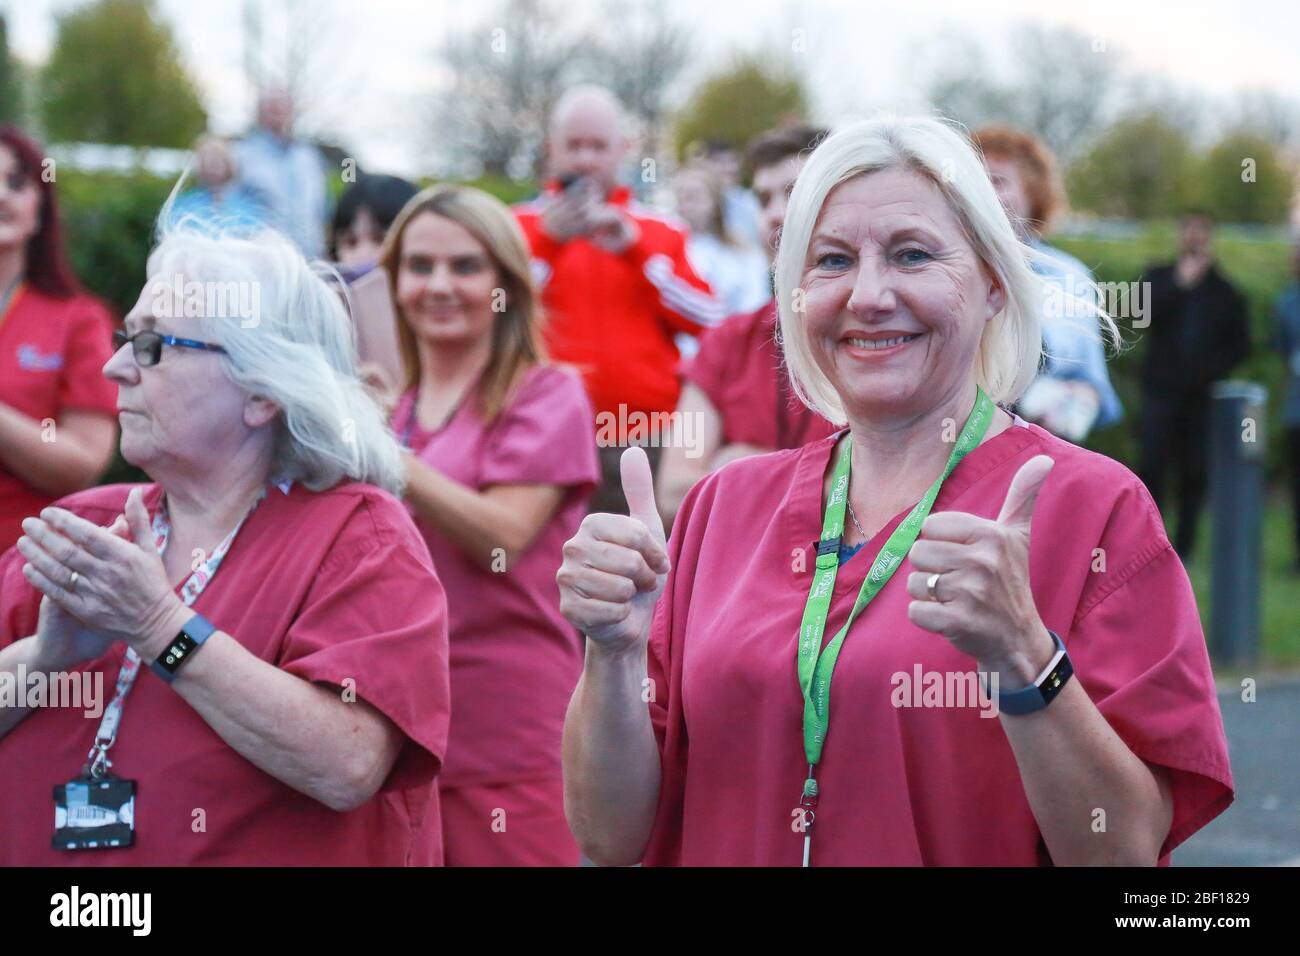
285	173
1286	339
737	273
1198	332
615	278
219	198
1073	393
364	212
740	207
267	576
501	461
735	390
57	424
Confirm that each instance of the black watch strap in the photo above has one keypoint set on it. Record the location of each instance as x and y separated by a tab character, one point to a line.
1043	690
191	637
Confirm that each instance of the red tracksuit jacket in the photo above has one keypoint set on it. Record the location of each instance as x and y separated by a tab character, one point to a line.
614	316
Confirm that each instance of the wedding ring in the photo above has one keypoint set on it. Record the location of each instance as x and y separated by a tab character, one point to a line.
931	586
72	582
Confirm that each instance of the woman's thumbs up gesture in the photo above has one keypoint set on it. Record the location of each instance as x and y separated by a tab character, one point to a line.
615	566
971	581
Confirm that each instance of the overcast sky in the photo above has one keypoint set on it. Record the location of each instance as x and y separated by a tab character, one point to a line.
861	55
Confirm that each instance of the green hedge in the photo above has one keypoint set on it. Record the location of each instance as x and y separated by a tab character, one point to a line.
109	222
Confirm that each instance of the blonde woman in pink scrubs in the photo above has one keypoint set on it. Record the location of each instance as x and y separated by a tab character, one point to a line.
941	636
500	463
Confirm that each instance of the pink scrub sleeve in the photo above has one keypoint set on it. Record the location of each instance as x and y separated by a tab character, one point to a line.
1139	650
664	670
533	440
367	618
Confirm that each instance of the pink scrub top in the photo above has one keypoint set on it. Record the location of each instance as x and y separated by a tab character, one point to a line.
908	786
514	658
332	586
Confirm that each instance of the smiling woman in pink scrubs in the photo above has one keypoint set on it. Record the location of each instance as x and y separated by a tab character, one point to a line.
939	637
501	463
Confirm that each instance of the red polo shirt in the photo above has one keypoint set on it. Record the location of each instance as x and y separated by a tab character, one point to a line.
739	367
52	355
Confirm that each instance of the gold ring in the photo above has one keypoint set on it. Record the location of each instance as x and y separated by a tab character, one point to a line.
931	587
72	583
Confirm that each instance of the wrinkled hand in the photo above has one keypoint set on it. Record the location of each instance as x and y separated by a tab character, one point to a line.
61	640
122	592
615	566
984	604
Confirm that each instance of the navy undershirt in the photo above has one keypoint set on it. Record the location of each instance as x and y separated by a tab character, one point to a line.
848	552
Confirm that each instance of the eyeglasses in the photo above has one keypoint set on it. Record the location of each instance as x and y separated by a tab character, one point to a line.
147	346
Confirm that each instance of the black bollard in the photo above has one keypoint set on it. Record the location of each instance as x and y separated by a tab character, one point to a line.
1237	493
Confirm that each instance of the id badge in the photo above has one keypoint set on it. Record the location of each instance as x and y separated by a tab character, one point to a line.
94	814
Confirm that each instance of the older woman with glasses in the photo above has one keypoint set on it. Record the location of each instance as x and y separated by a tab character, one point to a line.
941	636
263	616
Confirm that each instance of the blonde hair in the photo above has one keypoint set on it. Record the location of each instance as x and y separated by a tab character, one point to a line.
1011	344
516	338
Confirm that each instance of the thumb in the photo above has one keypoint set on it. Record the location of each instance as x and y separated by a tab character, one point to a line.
639	490
1018	508
120	528
137	516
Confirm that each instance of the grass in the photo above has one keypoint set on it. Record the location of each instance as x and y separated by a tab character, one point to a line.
1280	584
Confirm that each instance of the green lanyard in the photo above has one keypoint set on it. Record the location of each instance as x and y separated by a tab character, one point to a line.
816	665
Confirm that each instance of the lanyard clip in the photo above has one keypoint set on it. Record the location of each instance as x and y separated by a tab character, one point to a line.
829	548
97	762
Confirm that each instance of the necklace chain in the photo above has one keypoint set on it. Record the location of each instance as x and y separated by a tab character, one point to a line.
855	519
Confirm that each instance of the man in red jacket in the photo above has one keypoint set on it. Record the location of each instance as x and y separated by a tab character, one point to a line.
615	282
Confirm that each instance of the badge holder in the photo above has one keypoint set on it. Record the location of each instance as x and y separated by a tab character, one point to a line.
96	810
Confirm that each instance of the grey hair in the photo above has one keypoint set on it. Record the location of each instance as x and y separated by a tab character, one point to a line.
288	338
1012	342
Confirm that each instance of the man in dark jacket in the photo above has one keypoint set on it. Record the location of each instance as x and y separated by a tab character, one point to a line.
1198	332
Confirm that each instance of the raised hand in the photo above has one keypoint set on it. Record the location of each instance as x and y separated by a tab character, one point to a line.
615	566
569	214
982	601
62	641
121	590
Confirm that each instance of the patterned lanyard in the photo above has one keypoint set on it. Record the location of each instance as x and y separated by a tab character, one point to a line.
815	664
97	760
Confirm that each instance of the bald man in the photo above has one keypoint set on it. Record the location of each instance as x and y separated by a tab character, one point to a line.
287	175
615	282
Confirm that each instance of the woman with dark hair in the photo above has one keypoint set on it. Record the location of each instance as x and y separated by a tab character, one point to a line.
365	211
57	412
